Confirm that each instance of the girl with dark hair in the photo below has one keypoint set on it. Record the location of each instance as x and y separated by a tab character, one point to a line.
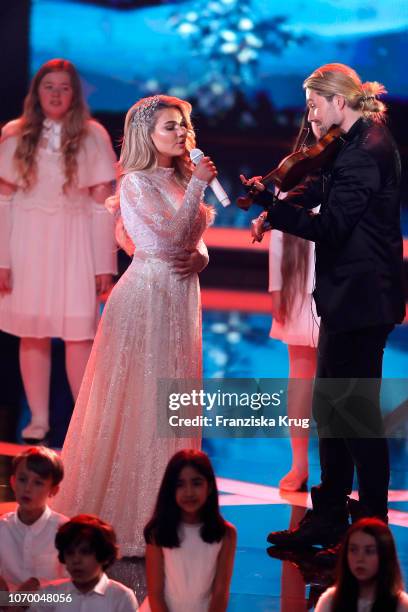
57	248
368	573
190	547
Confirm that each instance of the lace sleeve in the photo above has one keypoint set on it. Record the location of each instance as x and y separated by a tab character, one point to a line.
143	203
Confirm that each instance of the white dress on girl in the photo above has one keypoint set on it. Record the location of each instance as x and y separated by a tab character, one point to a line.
325	602
55	242
189	572
301	327
114	453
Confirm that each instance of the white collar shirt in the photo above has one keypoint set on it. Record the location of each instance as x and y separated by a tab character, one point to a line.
107	596
29	550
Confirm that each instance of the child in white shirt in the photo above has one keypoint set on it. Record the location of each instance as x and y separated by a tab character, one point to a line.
87	546
28	557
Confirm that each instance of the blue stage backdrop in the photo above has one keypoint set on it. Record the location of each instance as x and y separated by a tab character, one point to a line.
217	50
241	62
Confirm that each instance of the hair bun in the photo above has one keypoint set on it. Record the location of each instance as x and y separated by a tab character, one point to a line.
373	89
370	104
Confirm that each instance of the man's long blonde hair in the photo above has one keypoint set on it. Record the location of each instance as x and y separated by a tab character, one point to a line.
30	125
332	79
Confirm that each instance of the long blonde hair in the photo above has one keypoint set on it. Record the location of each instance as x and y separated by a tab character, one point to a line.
327	81
30	125
332	79
138	151
295	255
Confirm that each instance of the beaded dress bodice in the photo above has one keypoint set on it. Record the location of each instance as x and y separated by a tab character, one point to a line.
160	217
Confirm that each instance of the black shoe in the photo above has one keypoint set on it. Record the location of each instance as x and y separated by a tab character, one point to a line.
359	511
313	530
36	441
304	561
294	555
328	556
35	434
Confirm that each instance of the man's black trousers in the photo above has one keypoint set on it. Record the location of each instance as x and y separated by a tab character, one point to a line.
346	407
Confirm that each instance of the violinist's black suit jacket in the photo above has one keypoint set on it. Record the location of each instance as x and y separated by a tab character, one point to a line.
359	295
359	274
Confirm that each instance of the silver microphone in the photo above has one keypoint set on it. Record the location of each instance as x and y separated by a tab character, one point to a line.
196	155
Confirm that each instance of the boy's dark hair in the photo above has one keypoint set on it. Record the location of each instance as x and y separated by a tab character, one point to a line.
162	529
88	528
41	460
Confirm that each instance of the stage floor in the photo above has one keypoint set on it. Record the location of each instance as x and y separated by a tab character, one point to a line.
236	345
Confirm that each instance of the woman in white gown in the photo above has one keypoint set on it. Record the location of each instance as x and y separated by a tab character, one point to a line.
113	454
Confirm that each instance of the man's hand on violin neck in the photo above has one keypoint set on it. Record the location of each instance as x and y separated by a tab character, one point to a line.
255	182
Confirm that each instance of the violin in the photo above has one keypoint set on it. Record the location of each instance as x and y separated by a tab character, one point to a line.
296	166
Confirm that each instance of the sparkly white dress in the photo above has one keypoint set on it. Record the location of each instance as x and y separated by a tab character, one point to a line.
113	454
189	572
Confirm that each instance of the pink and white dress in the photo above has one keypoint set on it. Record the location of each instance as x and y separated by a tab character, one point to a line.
302	325
114	455
54	242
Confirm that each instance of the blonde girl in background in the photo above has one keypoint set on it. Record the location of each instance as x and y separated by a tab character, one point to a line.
57	251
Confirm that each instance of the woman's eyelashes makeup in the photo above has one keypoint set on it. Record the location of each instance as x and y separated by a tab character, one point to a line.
172	125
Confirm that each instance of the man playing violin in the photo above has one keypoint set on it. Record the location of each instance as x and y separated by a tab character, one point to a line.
358	293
